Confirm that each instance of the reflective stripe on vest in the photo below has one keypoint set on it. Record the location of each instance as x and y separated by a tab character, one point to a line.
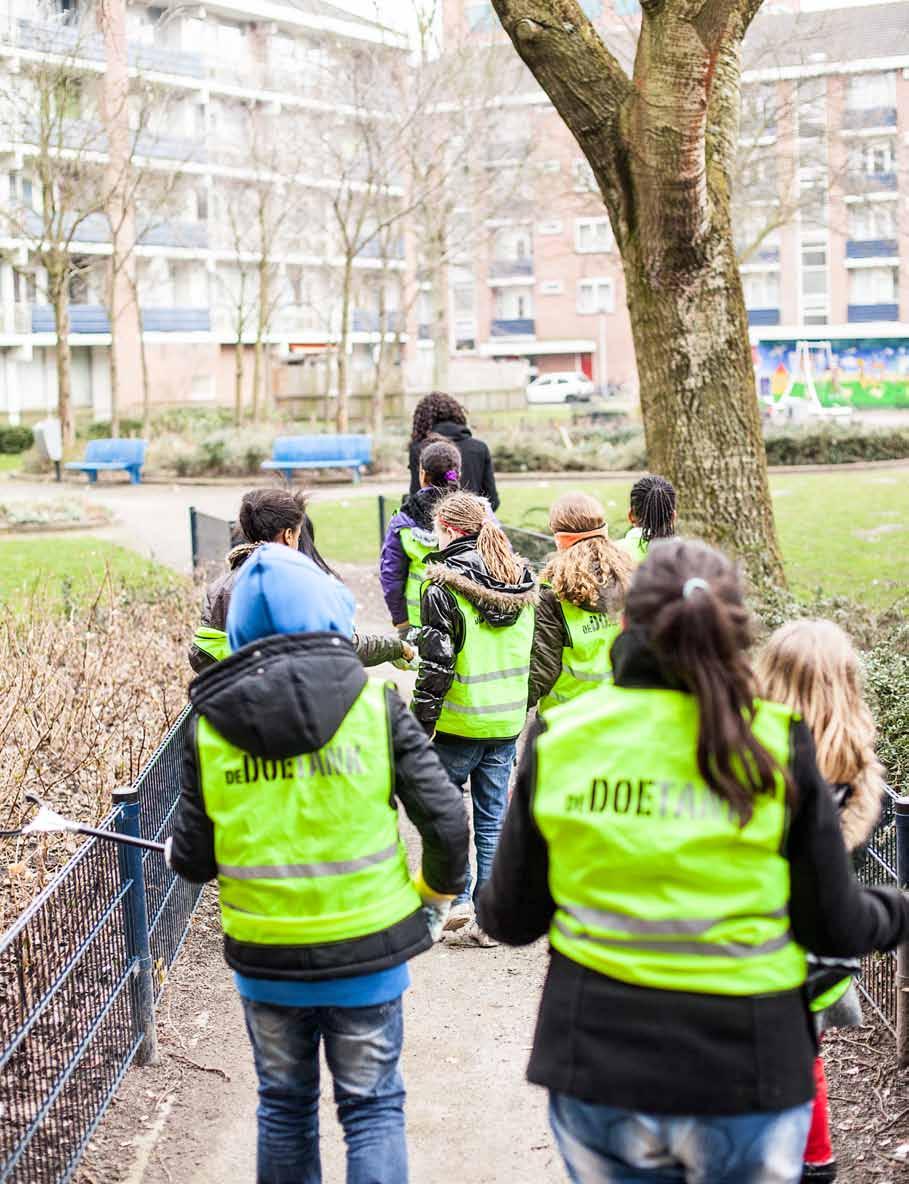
487	698
212	642
307	847
416	544
655	882
585	656
633	544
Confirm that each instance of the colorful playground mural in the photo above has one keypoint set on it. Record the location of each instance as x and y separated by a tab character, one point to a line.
859	372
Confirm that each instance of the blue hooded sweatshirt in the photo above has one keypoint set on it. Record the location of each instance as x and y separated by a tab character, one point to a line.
279	590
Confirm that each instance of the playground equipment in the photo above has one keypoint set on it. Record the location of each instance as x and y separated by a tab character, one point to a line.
792	408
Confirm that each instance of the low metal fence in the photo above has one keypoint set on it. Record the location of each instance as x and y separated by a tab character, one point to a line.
885	863
79	972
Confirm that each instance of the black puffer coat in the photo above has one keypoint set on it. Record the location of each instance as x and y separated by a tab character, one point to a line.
459	567
287	695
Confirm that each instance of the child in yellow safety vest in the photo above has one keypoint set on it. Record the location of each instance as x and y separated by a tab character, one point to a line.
652	515
579	615
672	834
411	535
476	613
812	667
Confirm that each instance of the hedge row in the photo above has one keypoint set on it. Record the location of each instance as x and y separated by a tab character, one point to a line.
835	446
16	439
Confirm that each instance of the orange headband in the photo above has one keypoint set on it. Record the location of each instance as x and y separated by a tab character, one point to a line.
564	539
454	529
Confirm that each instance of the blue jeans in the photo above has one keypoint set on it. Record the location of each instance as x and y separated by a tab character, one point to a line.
602	1145
487	765
363	1048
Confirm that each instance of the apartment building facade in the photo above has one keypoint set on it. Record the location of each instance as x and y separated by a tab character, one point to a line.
228	108
821	205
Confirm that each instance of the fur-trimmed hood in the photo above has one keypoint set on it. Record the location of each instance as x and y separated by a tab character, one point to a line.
460	567
238	555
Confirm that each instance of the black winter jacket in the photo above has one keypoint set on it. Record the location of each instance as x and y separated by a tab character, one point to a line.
672	1052
477	474
285	696
461	568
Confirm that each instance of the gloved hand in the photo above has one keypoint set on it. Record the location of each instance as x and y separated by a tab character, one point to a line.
436	915
436	906
409	659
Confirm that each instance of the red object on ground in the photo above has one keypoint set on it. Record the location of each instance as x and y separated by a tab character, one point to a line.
819	1149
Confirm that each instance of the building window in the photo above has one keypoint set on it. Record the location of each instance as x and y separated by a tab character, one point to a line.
552	288
593	236
814	281
865	91
872	157
551	166
872	221
25	287
762	289
553	227
873	285
596	295
462	299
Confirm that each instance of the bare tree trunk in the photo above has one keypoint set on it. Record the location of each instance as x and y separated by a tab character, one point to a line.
258	402
702	422
342	411
662	149
441	330
238	381
60	301
146	384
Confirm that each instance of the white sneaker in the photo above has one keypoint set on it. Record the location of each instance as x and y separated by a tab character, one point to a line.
459	915
472	935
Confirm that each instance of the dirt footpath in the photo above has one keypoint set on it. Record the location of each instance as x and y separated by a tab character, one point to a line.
470	1114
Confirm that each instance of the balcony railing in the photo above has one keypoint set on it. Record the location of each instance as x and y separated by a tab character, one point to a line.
364	320
176	320
871	248
178	148
869	117
870	182
873	312
763	316
373	250
62	39
176	234
518	327
93	318
768	255
506	268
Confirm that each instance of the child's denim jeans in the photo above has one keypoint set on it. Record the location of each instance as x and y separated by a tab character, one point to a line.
602	1145
487	766
362	1048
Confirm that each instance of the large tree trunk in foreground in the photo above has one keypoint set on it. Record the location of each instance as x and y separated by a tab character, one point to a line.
701	417
662	149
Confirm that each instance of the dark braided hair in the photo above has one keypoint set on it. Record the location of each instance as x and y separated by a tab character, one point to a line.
653	507
436	407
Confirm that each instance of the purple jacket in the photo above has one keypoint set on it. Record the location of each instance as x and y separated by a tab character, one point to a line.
415	511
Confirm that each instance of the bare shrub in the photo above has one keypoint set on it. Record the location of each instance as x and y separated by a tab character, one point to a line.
84	700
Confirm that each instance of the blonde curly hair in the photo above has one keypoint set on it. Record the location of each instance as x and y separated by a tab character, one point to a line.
471	515
812	667
591	567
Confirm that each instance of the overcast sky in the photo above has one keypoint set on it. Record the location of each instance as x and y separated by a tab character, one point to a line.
394	12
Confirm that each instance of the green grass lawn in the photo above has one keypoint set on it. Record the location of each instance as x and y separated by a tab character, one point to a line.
845	533
64	572
11	462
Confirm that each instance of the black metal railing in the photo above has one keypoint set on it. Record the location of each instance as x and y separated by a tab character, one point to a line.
884	865
78	973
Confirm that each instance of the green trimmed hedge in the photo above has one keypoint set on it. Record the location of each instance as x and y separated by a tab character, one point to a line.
835	446
16	439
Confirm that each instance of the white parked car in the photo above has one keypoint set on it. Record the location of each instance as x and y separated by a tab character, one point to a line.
568	386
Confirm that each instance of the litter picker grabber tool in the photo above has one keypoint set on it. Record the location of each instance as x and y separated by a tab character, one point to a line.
48	821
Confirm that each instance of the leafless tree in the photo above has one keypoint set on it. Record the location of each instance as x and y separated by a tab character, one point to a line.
662	144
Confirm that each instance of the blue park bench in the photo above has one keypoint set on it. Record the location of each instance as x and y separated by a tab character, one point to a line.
292	453
108	456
